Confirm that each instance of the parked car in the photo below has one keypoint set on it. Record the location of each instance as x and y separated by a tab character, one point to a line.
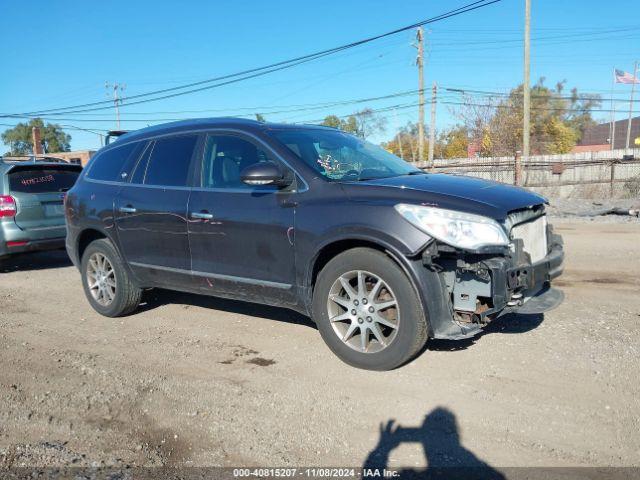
380	254
31	204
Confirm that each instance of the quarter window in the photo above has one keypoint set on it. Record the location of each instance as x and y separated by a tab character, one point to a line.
109	165
169	161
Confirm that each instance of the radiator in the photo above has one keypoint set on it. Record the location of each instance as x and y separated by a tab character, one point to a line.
534	237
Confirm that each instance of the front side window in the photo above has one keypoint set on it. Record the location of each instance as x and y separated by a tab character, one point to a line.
169	161
338	156
225	156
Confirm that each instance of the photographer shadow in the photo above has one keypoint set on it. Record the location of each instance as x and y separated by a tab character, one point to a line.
440	440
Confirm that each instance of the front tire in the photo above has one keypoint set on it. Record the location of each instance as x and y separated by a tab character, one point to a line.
106	282
367	310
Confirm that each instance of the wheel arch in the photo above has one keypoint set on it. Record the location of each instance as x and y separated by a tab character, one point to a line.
337	246
408	264
90	234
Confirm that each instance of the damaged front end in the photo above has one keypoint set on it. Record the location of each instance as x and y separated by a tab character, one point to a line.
479	286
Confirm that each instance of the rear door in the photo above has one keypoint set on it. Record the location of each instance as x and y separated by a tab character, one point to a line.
151	212
39	192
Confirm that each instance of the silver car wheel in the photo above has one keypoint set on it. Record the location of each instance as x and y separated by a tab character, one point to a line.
101	279
363	311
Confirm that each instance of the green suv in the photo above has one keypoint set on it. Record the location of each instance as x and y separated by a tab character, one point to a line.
31	204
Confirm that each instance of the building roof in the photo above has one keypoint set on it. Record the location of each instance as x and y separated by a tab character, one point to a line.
599	134
591	148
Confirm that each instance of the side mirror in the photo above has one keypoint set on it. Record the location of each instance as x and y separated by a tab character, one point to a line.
264	173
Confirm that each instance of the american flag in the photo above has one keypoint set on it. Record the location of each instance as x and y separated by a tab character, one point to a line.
625	77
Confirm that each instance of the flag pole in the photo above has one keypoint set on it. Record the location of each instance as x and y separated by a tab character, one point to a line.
613	133
633	87
612	128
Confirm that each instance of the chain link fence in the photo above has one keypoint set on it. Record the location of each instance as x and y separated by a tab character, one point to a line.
589	175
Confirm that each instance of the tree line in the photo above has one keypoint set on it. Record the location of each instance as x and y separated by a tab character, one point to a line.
492	126
20	138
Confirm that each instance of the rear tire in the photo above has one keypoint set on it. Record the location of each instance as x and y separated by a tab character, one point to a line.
393	335
106	281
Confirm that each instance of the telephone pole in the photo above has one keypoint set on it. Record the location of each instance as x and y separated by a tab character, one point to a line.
420	63
633	87
432	126
395	112
117	99
526	127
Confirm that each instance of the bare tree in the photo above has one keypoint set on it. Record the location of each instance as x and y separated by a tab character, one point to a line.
368	123
476	116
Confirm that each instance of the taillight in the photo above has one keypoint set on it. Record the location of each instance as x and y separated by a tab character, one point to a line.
7	206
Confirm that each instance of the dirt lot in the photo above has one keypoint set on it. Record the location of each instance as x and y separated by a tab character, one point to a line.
196	381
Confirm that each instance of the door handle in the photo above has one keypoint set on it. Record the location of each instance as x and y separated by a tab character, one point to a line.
201	215
127	210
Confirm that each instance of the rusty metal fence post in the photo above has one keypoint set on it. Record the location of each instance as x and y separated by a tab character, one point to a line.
612	180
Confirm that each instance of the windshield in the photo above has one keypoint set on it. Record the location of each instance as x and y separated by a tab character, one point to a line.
338	156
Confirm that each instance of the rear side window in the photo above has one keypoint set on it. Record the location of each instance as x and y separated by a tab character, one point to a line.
110	164
42	180
169	161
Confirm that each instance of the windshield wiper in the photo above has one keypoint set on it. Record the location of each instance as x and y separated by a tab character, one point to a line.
362	179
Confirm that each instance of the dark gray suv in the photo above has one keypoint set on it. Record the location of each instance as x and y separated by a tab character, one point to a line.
380	254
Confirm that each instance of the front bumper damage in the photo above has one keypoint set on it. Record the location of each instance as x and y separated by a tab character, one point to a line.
477	288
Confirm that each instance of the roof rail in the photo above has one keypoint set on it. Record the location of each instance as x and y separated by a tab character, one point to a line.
114	133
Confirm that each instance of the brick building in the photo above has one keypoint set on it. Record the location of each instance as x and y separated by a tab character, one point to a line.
596	138
79	156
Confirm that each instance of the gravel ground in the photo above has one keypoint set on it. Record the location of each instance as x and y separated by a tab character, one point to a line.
194	381
591	210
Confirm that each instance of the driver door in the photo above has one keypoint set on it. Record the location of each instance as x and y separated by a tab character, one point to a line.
241	236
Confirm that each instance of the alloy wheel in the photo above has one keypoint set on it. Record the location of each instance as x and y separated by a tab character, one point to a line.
101	279
363	311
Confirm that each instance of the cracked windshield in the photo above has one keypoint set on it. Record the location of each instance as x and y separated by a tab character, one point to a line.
338	156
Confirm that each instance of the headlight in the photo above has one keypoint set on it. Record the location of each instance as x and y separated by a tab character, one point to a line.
462	230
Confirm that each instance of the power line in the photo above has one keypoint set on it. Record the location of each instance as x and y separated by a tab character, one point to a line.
582	96
294	108
264	70
334	104
98	131
589	35
264	110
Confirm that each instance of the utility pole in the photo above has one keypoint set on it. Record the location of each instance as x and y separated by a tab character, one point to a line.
526	127
400	145
117	99
399	134
633	87
432	126
420	63
612	127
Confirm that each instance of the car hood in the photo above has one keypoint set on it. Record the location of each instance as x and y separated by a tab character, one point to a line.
461	193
